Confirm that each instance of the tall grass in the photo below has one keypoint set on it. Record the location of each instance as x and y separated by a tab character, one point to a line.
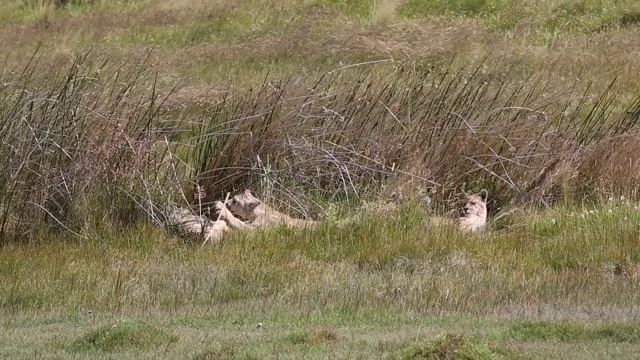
353	132
90	144
79	144
95	147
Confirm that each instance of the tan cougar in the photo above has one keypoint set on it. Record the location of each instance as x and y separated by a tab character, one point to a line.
257	214
190	223
474	212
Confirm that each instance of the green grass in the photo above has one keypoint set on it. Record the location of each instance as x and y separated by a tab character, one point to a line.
319	106
571	332
214	337
541	16
451	347
388	290
122	336
221	25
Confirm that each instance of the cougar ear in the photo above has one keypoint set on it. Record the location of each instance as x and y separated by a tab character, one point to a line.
253	204
249	201
484	194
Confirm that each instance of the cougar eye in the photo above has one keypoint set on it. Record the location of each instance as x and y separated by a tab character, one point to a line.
473	203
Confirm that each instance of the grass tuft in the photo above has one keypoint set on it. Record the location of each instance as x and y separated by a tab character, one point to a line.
316	336
122	336
226	351
569	331
450	346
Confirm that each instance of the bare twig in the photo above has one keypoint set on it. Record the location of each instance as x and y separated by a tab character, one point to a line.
206	239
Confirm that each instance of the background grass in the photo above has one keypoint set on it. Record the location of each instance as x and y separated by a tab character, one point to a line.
113	110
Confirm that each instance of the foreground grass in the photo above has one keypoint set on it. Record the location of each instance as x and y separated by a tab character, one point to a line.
554	285
489	95
208	336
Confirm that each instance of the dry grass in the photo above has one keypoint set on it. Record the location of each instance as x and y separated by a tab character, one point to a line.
220	41
318	107
349	132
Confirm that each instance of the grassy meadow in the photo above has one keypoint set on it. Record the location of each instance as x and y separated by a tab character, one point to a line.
110	111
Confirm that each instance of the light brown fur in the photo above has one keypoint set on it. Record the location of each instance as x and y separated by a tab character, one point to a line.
258	214
190	223
474	212
223	213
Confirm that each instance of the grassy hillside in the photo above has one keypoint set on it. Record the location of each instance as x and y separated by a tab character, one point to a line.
112	110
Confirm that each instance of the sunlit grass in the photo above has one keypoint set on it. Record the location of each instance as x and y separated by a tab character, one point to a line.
320	106
302	291
378	263
538	16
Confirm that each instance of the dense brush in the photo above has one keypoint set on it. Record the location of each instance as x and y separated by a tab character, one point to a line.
528	142
91	145
79	147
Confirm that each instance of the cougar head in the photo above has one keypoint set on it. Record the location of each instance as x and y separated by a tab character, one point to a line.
244	205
